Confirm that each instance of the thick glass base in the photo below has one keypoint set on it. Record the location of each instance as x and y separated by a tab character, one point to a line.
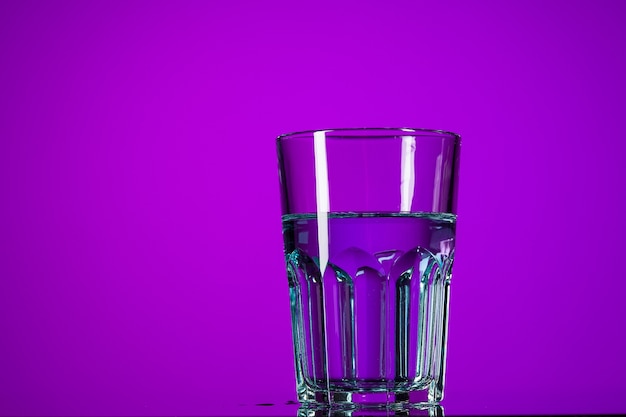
387	400
346	404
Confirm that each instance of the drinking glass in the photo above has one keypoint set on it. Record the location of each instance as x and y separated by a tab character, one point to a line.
369	219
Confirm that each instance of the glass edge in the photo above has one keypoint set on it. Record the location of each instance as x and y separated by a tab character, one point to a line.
408	130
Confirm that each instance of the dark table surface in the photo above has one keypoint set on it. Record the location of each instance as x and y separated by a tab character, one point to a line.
447	408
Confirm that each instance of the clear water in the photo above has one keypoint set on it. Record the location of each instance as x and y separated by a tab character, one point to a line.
369	296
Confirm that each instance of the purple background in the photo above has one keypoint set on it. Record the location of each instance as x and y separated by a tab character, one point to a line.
141	267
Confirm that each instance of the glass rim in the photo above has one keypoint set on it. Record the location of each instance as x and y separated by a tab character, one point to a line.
373	133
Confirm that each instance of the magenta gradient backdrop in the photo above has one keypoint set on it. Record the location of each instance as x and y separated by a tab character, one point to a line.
141	266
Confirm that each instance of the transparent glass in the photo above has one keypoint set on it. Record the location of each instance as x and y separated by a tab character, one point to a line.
369	221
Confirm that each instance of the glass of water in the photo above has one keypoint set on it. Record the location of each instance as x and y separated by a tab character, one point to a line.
369	229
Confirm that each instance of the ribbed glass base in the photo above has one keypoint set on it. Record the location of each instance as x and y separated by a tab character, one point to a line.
344	404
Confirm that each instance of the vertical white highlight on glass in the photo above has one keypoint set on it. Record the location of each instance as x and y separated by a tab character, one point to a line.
322	196
407	173
437	206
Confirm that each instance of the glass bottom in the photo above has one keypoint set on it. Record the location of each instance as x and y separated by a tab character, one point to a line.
347	404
